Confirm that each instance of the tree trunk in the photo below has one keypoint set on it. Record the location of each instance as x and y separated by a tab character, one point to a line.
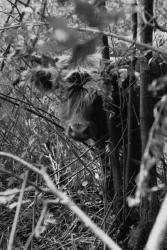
149	208
133	131
111	164
113	161
146	100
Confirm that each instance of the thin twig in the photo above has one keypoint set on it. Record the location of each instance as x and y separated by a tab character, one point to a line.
16	218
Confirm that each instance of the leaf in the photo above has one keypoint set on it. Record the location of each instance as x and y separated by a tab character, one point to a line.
56	22
159	86
40	230
81	51
8	195
142	62
97	176
11	36
62	35
114	16
49	219
15	204
62	2
95	17
66	37
27	10
84	183
11	180
49	47
123	74
80	192
32	140
86	11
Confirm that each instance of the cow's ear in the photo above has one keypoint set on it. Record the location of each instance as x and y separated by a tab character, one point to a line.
45	79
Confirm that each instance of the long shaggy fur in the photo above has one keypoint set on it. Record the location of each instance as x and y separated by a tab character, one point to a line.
90	65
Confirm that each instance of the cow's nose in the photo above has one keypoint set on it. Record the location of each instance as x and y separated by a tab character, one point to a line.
79	132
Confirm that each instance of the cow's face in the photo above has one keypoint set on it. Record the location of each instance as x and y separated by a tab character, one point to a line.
83	114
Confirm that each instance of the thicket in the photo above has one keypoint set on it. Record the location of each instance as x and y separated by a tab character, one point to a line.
40	167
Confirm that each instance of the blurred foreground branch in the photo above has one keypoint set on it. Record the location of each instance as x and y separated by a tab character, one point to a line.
64	199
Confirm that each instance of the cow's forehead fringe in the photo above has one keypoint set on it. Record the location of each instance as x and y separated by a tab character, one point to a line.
89	64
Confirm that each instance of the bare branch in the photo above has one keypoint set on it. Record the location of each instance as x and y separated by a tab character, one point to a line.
15	6
139	45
